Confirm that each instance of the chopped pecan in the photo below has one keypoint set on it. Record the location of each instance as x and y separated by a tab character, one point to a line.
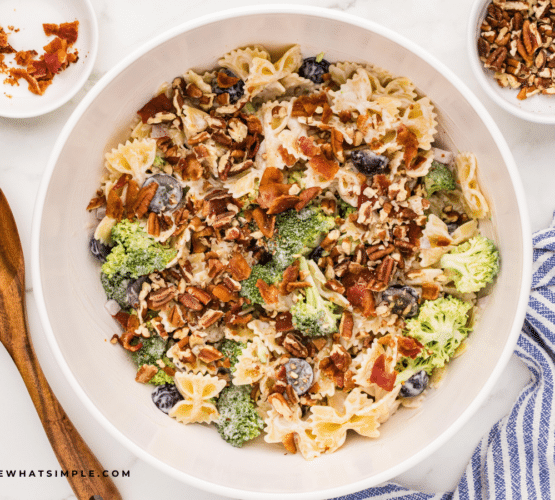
199	294
282	203
153	225
340	357
232	285
297	285
97	202
146	373
209	354
335	286
385	269
198	138
190	302
290	274
337	144
175	318
209	318
157	299
144	197
323	167
346	325
215	267
280	405
306	196
293	344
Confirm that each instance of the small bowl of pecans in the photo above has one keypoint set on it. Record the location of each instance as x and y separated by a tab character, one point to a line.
511	47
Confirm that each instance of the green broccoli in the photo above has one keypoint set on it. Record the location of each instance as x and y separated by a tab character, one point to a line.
440	327
115	287
474	264
312	314
439	178
344	209
238	421
232	349
297	234
267	273
135	253
153	349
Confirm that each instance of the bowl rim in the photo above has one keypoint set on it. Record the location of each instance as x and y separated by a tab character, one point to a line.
330	14
86	71
485	80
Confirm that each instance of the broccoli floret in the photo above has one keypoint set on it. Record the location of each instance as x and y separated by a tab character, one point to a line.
474	264
344	209
440	327
135	253
297	234
153	349
232	349
439	178
312	314
159	162
115	287
238	421
267	273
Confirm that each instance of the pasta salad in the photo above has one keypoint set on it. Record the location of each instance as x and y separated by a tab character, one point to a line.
286	249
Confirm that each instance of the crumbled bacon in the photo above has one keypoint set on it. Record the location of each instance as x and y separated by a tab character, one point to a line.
307	196
380	376
307	146
265	222
409	346
238	267
409	141
158	104
269	292
324	167
282	203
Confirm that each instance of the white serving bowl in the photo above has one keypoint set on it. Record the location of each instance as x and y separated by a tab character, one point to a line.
71	300
538	108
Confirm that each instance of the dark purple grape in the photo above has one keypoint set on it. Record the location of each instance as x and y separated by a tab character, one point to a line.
368	162
134	289
402	299
313	70
168	195
316	254
98	249
235	92
414	385
452	227
165	397
299	375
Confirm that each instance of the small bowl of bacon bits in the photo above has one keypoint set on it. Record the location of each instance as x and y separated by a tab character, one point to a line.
47	53
512	54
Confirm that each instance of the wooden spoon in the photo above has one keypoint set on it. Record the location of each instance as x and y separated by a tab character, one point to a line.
70	449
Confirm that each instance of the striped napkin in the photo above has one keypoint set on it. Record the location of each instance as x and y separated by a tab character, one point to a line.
517	458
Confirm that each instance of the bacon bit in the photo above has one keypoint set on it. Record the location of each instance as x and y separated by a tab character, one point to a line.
287	158
289	275
335	286
408	139
145	373
307	105
271	175
337	144
132	193
368	304
288	442
224	294
269	292
238	267
24	57
307	147
409	346
324	167
267	193
114	206
96	202
225	81
284	322
297	285
327	113
254	125
282	203
380	376
265	222
157	104
307	196
430	291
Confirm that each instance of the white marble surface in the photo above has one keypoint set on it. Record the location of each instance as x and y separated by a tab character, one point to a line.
25	145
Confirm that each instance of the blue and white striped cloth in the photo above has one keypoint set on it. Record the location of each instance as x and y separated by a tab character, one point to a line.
517	458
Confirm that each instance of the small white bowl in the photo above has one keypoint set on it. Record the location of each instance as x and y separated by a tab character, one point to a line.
71	301
537	108
27	18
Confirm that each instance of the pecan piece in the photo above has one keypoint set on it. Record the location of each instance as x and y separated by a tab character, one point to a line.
159	298
282	203
209	354
144	197
209	318
280	405
346	325
293	344
340	357
190	302
145	374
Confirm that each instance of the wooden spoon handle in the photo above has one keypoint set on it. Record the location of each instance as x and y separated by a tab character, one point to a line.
72	452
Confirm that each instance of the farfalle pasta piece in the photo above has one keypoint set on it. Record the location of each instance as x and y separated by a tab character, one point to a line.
197	390
420	118
240	61
133	157
467	171
252	364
